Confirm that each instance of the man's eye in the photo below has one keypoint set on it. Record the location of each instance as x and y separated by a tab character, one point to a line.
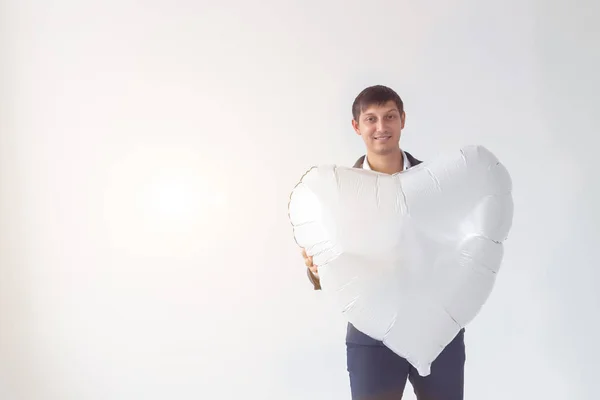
391	116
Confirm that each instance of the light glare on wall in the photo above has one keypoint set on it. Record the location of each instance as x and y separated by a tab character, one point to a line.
160	201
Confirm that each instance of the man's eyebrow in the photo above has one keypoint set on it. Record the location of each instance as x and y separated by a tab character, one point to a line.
390	110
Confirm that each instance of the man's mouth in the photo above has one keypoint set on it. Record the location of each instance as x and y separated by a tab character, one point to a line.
382	137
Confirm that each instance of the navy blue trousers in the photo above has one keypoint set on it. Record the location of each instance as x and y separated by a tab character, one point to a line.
377	373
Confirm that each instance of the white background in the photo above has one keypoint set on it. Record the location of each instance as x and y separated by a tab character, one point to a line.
148	150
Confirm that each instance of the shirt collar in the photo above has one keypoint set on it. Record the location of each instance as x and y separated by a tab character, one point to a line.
404	167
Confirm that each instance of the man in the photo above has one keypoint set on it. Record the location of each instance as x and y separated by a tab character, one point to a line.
377	373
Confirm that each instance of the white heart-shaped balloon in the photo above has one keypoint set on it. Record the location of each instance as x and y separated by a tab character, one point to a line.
412	257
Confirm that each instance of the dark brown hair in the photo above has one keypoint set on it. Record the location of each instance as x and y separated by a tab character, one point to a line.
375	95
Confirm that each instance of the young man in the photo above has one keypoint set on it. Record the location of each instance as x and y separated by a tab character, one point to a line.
377	373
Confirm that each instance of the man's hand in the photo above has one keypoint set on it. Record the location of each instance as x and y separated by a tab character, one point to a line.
308	261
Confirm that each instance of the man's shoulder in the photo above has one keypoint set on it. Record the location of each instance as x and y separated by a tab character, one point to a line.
359	162
413	161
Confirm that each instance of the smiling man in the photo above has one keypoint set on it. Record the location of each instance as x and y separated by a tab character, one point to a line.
377	373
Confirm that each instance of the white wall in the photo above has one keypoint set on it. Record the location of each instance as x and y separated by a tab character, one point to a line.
108	293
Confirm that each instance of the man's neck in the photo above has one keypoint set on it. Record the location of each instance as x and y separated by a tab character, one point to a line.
387	163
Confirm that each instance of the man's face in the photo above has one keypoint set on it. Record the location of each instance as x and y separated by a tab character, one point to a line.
380	127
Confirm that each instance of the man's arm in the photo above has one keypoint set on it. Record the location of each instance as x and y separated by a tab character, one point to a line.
313	279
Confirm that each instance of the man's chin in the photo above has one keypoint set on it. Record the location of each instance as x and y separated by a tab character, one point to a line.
384	150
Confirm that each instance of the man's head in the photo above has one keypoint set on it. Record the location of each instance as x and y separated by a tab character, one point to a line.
378	117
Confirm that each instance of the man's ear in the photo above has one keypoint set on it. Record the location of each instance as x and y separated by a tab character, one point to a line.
403	120
355	126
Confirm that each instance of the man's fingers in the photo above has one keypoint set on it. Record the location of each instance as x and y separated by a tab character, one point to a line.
307	258
308	261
